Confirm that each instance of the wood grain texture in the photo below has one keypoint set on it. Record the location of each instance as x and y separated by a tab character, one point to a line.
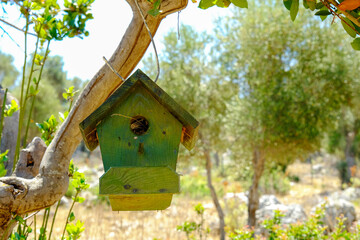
139	180
119	145
139	80
140	202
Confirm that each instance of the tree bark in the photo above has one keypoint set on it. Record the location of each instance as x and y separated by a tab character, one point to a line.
258	163
212	189
19	195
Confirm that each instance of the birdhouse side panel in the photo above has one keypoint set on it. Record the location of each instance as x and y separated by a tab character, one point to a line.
139	132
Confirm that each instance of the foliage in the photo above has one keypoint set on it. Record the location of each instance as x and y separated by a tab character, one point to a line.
78	184
68	95
3	158
49	22
310	229
48	129
11	108
294	98
195	186
195	228
347	12
235	213
73	230
274	181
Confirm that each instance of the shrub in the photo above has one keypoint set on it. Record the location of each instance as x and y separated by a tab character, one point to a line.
312	229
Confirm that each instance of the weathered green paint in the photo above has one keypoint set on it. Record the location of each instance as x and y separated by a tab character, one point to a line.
139	167
139	180
140	202
88	127
120	146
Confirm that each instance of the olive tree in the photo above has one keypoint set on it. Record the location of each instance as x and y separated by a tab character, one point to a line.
292	79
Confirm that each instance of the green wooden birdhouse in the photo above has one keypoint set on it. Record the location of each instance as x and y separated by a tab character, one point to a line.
139	129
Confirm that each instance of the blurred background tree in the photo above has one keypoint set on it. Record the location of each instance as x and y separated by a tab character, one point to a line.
191	79
265	89
293	80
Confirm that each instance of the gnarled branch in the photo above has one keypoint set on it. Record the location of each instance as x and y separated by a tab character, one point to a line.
52	181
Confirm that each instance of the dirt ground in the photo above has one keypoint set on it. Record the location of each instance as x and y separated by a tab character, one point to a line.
102	223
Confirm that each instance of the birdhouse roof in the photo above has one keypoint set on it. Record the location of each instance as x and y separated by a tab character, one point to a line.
139	79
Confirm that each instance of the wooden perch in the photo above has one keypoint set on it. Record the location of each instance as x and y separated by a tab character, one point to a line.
20	195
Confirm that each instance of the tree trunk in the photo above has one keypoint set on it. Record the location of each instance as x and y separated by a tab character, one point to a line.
20	195
258	163
212	189
350	157
214	195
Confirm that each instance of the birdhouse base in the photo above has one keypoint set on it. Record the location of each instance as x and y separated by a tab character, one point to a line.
140	202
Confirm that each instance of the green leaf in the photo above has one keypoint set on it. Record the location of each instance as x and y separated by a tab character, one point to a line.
205	4
356	44
294	9
349	27
240	3
319	5
223	3
71	217
79	199
322	13
156	9
287	4
311	4
3	172
306	6
154	12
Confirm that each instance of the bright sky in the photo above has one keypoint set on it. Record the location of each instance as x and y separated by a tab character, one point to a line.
83	57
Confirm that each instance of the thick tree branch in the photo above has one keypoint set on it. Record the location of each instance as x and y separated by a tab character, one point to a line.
52	181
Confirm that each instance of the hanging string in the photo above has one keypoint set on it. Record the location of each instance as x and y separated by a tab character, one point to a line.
152	40
112	69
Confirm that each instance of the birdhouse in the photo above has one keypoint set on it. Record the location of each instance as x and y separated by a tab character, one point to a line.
139	129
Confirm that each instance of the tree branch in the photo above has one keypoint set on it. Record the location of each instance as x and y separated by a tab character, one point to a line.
52	181
348	15
12	25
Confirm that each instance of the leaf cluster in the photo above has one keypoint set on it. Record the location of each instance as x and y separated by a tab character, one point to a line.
11	108
323	9
313	228
51	21
190	228
3	158
292	78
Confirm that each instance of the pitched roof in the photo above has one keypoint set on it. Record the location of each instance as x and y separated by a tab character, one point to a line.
190	124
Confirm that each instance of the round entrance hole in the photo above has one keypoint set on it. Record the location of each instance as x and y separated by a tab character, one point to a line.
139	125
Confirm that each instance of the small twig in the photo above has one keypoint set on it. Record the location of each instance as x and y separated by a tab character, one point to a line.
152	40
12	25
112	69
31	215
348	15
335	14
11	38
